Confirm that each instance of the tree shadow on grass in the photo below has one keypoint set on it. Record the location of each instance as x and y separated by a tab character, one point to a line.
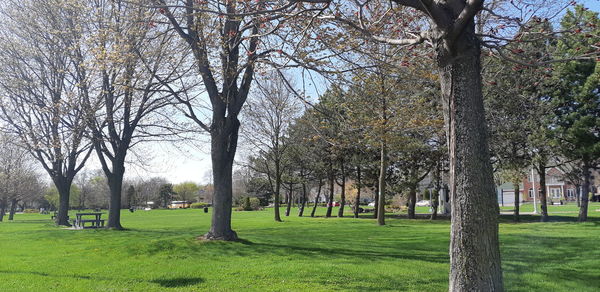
43	274
509	218
164	282
554	260
178	282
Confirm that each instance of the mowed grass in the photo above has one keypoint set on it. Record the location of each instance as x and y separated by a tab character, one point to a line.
159	252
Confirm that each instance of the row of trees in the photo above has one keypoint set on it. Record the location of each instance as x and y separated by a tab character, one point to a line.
23	187
104	76
342	138
547	115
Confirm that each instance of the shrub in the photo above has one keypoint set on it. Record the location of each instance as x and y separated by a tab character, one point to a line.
199	205
250	204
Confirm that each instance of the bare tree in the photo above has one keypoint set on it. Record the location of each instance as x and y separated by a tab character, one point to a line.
128	105
41	104
268	118
224	38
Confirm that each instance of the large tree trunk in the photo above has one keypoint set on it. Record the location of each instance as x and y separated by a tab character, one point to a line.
474	247
13	208
343	192
517	199
115	184
330	199
412	201
541	170
64	192
585	193
224	136
312	213
358	187
3	203
381	197
289	201
277	192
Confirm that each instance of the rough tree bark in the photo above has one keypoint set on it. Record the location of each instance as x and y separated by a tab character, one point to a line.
224	137
115	184
64	193
474	246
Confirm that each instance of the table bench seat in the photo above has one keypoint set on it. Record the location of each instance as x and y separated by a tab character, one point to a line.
95	223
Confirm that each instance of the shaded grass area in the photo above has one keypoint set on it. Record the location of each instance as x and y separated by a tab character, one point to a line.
159	252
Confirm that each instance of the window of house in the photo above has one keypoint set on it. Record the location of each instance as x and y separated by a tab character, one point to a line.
570	193
555	193
531	193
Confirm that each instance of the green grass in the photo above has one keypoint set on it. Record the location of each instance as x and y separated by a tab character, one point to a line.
159	252
569	207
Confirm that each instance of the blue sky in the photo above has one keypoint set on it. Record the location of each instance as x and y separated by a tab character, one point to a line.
184	163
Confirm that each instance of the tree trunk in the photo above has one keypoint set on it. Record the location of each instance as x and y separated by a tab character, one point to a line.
330	199
358	187
13	209
303	203
312	214
3	203
115	184
343	193
224	136
517	199
289	201
64	192
382	173
435	197
578	195
376	200
585	193
412	201
541	170
474	247
435	194
277	192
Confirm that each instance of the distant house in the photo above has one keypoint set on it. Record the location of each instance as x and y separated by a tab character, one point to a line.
557	188
179	205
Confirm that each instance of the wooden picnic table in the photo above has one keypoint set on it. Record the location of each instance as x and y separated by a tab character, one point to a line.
96	222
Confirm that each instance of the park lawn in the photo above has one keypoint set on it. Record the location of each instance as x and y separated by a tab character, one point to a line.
569	207
159	252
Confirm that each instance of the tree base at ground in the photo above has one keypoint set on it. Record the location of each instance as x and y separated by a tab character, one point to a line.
228	236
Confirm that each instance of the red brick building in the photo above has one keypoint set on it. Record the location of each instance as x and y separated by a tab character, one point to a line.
557	189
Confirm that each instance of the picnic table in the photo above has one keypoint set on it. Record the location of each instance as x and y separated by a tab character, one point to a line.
95	223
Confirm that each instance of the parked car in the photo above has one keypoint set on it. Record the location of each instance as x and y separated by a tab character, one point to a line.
334	204
372	204
423	203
